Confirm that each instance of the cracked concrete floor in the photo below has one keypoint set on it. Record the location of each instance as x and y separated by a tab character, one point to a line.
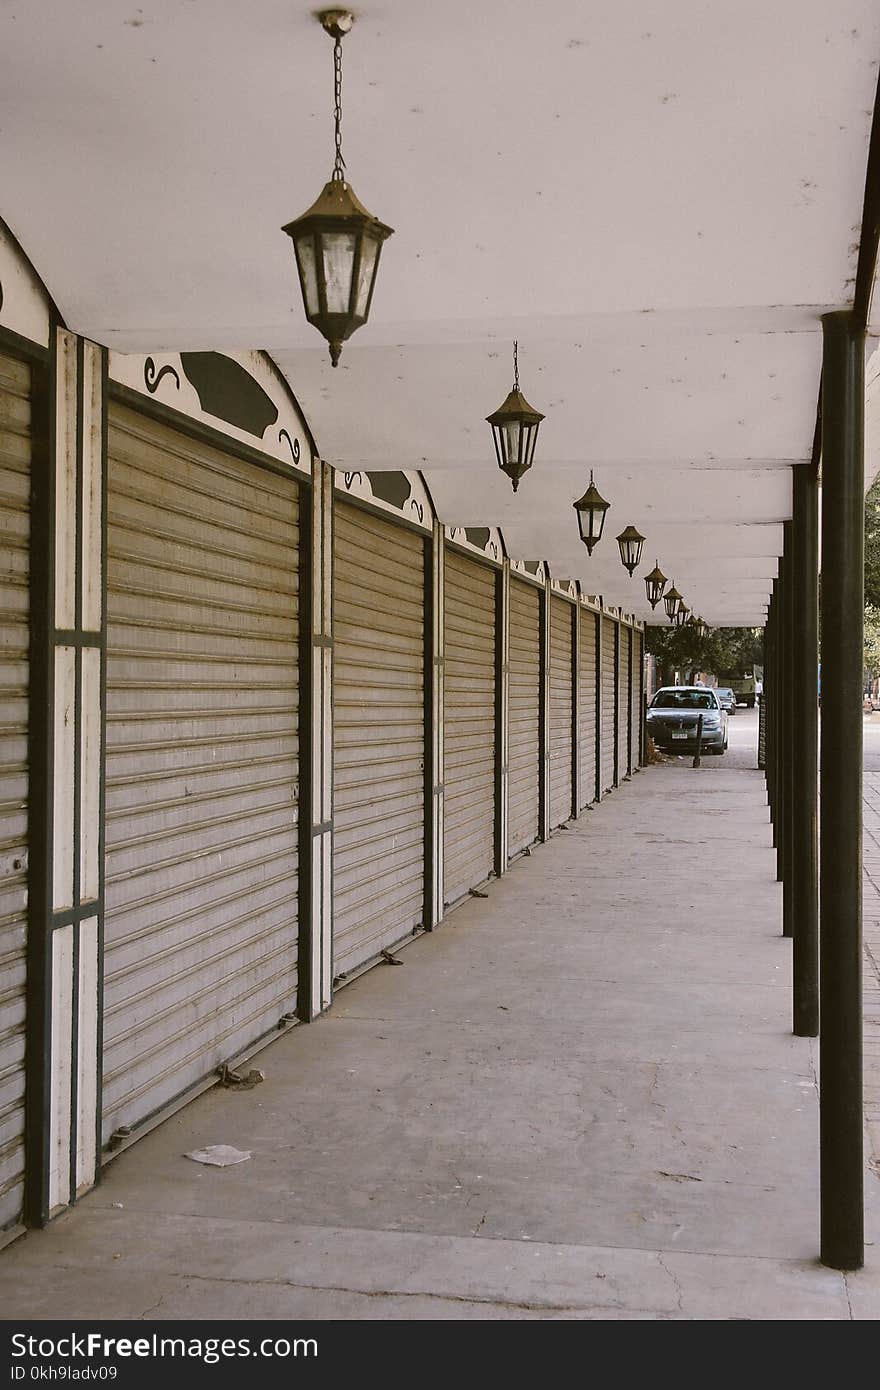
579	1099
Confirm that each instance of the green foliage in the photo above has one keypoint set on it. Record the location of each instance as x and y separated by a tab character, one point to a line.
722	648
872	545
872	640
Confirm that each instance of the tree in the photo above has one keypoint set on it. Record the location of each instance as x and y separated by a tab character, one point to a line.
872	545
872	640
721	649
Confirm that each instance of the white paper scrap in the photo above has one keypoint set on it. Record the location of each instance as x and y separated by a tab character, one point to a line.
218	1155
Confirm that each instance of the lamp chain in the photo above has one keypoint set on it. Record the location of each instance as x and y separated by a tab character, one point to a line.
339	162
515	365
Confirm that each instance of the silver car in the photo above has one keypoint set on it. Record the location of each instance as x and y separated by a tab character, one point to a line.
726	698
673	715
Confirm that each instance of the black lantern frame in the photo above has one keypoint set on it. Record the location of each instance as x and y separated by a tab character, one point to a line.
682	615
671	600
591	509
515	427
655	583
630	542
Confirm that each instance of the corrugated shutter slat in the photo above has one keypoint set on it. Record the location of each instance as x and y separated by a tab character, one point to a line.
469	767
524	717
636	707
15	454
587	712
560	710
202	761
623	705
608	627
378	737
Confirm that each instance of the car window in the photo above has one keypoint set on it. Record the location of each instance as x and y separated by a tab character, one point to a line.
684	699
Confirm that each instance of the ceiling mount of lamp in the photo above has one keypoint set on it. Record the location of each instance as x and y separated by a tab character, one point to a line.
515	427
337	242
591	509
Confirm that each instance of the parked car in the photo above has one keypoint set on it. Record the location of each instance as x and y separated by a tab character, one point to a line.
673	714
726	698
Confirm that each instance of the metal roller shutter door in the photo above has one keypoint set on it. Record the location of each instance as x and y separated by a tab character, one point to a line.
623	705
15	452
608	627
523	782
202	762
561	713
587	712
469	686
636	721
379	736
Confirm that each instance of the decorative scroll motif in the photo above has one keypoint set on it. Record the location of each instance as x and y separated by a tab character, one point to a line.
292	444
241	395
152	378
226	391
534	569
394	492
486	540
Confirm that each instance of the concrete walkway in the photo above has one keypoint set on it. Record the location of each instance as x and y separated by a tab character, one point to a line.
579	1099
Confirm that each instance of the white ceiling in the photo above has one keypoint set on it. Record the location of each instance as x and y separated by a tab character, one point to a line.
659	201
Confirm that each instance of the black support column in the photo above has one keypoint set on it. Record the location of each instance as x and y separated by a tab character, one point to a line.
840	1077
804	857
787	733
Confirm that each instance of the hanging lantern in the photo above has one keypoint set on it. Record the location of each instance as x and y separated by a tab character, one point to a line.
699	626
630	543
515	430
591	509
655	583
682	614
671	600
337	242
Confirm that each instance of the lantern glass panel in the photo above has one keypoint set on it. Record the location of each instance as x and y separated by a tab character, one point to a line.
369	252
305	255
513	430
531	441
338	269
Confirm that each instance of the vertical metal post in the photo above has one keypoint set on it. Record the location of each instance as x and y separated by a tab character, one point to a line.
617	778
642	719
698	761
780	724
544	716
770	694
576	790
600	701
502	713
840	1078
804	858
786	740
